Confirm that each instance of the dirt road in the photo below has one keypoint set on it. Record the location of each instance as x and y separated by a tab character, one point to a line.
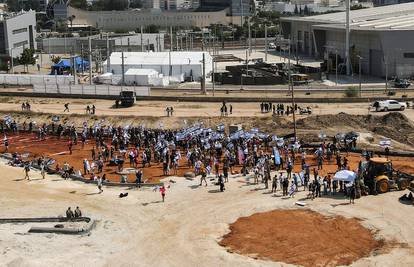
139	230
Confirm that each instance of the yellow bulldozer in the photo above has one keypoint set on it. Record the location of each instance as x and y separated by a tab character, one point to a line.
379	176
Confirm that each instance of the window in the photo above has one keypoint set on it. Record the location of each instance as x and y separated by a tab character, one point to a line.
19	44
409	55
19	30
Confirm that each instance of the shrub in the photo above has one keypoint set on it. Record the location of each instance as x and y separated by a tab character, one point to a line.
351	92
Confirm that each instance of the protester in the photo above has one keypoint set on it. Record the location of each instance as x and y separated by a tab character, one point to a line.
162	191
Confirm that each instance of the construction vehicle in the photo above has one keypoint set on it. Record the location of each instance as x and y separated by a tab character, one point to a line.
379	176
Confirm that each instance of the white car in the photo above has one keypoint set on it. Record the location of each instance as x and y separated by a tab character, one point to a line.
272	46
388	105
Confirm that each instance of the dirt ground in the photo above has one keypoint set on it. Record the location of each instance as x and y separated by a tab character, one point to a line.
140	230
186	230
318	240
28	145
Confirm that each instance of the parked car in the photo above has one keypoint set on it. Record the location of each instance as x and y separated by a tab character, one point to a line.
272	46
401	83
388	105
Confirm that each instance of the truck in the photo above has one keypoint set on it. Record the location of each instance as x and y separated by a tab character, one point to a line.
126	99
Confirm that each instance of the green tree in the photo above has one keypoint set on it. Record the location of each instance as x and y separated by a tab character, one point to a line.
56	59
136	4
81	4
306	10
296	9
27	57
16	5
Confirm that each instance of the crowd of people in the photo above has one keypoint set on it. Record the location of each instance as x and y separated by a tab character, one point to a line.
207	153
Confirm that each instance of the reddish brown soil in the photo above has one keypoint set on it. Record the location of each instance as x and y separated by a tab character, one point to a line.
52	147
301	237
27	143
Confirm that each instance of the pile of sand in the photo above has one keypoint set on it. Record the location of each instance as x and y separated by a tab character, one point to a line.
301	237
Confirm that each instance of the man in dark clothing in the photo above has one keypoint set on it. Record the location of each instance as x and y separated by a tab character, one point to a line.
69	213
78	213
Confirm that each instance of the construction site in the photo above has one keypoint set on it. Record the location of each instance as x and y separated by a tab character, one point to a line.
246	224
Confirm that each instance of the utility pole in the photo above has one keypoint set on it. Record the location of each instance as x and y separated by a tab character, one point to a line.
292	94
171	38
266	45
347	38
176	38
360	82
74	69
386	76
108	55
203	79
123	68
212	78
82	58
11	60
90	60
336	67
250	35
142	38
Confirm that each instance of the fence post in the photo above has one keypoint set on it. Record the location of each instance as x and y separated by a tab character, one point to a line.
108	89
82	89
45	88
70	89
95	89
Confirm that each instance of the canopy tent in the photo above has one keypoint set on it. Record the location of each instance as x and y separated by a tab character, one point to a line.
345	176
79	61
66	65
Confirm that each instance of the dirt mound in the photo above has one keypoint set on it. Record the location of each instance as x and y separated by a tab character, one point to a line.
393	125
301	237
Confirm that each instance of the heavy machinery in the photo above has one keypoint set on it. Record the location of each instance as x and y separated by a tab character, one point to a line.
379	176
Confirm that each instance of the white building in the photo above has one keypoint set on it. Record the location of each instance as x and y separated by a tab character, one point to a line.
17	31
179	66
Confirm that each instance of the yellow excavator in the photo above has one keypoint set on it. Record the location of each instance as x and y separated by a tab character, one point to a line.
380	177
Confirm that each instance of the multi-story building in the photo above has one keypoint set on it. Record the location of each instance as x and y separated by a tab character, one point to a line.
382	38
17	32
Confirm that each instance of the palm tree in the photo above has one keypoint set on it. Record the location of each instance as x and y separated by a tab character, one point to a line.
70	19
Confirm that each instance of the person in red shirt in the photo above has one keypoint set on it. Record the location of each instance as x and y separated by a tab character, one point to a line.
162	191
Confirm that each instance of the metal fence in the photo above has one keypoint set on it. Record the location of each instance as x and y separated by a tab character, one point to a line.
30	79
81	89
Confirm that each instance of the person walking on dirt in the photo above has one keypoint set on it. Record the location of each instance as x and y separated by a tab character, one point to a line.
162	191
42	170
231	109
6	143
274	184
203	175
27	170
70	145
66	105
93	109
100	184
88	110
221	183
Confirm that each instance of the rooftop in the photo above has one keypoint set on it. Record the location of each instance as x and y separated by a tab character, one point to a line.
392	17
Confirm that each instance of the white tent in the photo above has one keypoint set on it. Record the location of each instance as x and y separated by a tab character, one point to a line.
345	176
140	76
175	64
